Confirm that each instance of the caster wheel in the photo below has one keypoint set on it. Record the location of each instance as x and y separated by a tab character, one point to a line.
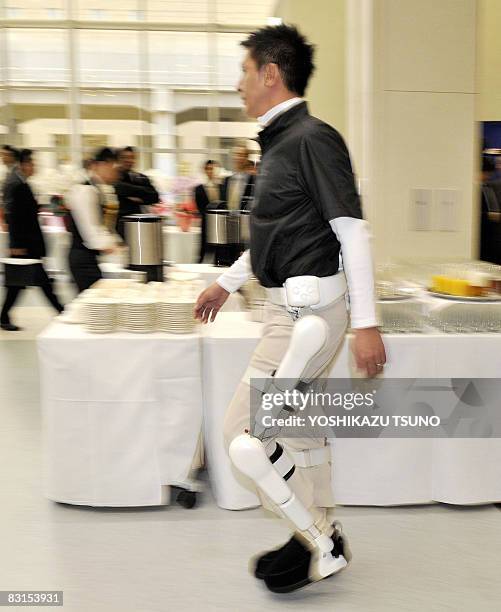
187	499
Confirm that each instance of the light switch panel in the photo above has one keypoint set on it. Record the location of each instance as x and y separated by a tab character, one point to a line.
446	206
421	210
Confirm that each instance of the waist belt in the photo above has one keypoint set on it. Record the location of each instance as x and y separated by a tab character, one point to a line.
332	288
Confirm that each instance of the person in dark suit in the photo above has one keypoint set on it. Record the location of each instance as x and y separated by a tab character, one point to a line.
133	189
490	226
237	193
207	195
9	156
238	189
25	235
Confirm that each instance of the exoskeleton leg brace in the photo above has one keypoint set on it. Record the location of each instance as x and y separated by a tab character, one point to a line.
266	463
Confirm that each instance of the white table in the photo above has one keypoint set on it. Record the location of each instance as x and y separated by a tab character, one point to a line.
367	471
122	414
208	272
181	247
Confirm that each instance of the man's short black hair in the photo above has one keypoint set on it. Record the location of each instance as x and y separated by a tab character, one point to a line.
128	149
210	162
105	155
284	46
25	155
14	152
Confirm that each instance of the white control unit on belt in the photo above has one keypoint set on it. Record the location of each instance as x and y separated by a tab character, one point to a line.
302	291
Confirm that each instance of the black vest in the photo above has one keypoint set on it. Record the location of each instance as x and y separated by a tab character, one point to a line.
77	242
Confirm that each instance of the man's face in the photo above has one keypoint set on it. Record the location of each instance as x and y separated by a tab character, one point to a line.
127	160
240	156
28	168
7	157
210	171
107	171
252	89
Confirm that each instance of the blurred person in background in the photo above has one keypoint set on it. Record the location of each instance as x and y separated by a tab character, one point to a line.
207	195
9	157
251	168
237	189
237	192
490	224
133	189
90	237
25	235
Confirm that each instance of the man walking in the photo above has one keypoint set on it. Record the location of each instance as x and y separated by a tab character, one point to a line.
25	236
306	210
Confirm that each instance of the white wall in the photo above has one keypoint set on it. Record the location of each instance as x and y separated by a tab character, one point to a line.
423	123
323	22
405	94
489	60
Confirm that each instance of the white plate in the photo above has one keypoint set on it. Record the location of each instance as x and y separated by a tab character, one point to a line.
461	298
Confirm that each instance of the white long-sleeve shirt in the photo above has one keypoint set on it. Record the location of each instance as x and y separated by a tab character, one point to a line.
354	237
84	203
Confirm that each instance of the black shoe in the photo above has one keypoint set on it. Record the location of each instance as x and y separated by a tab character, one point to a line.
292	571
9	327
262	563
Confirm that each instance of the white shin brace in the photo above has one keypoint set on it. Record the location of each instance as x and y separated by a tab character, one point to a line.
249	455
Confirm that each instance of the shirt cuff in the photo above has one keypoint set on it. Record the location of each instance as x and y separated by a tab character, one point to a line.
237	275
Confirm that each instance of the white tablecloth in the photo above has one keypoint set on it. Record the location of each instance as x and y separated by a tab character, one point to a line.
367	471
208	273
122	414
181	247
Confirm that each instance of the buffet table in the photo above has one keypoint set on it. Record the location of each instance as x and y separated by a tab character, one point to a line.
123	413
367	471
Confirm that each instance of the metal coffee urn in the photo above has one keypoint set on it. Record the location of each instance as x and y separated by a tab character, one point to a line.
143	236
228	227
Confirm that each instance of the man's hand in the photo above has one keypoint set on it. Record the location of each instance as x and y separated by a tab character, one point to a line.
110	250
210	302
18	252
368	349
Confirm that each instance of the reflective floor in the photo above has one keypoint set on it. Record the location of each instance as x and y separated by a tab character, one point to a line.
153	560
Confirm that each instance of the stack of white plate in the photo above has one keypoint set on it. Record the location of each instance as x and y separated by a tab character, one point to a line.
175	315
99	315
137	314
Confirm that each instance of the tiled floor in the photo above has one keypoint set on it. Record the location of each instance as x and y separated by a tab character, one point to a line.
154	560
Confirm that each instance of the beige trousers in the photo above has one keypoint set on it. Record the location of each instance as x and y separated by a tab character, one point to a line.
311	485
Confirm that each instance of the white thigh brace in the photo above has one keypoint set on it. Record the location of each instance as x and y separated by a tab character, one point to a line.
308	338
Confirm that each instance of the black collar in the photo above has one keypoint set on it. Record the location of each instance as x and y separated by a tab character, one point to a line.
281	123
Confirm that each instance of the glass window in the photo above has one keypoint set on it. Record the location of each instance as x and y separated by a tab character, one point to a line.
228	60
109	57
179	58
39	119
37	56
114	118
245	13
174	11
35	9
96	10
